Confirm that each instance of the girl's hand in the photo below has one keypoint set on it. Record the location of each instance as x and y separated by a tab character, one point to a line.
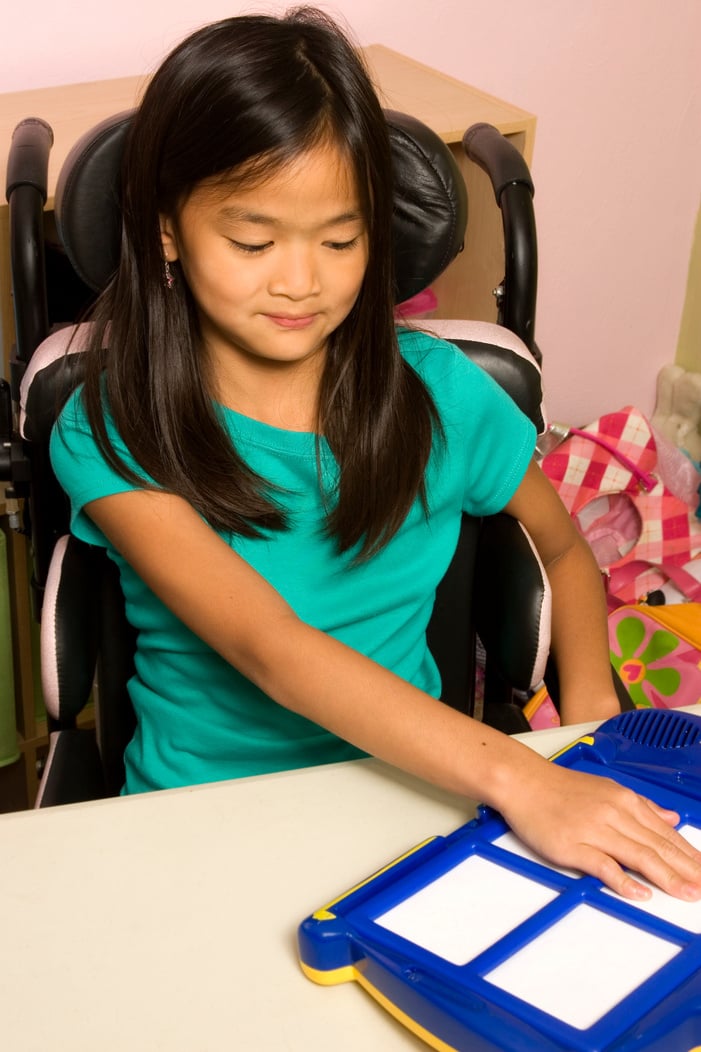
590	823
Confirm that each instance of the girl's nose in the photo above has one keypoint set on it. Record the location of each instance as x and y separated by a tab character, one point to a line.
295	274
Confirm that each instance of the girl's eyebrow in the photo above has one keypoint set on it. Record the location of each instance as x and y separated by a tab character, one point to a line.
241	215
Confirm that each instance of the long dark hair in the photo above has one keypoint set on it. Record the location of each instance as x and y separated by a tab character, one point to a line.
254	91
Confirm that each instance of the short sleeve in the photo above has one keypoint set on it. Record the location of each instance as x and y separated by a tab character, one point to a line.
501	441
489	441
81	468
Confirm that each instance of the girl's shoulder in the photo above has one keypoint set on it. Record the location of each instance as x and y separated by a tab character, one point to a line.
73	410
445	368
73	417
73	435
421	348
72	425
469	400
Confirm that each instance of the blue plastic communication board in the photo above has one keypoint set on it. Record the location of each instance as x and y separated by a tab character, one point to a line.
477	945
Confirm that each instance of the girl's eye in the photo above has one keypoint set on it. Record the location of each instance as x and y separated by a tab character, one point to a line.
250	249
341	246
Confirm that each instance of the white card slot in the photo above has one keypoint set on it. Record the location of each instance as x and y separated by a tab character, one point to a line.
583	966
467	909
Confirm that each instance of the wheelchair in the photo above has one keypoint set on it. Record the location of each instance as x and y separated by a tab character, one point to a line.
495	589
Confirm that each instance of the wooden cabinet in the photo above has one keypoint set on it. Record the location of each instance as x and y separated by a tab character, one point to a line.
465	290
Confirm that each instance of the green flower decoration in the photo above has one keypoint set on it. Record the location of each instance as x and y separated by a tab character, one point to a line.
644	674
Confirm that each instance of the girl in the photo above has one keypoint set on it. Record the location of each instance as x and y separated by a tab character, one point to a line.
280	475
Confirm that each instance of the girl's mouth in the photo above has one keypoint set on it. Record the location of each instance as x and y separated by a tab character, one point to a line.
292	321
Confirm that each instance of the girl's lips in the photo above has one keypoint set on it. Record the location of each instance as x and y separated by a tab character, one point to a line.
288	321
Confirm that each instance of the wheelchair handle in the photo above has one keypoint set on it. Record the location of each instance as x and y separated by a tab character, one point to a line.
28	161
513	188
27	179
498	157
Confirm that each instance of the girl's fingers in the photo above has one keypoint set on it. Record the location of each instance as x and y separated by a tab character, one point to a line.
641	843
614	876
609	831
670	817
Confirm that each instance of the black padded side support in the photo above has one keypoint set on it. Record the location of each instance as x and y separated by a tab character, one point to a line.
469	581
50	512
519	379
50	515
74	629
47	393
116	719
450	636
510	595
73	772
92	628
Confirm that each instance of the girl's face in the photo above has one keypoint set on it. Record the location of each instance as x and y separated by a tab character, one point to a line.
275	267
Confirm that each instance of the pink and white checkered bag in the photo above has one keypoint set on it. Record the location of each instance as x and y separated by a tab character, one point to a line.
640	532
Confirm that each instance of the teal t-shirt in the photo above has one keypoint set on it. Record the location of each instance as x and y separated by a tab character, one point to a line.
198	719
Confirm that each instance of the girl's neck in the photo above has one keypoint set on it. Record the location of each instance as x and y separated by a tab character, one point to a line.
284	397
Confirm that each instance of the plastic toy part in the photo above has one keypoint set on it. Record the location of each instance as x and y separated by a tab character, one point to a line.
477	945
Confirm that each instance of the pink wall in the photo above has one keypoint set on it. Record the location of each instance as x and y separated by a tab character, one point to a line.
616	87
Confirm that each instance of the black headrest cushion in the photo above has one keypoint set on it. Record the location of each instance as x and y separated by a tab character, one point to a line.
86	204
430	211
430	204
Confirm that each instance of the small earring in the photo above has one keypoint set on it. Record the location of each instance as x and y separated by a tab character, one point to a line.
169	279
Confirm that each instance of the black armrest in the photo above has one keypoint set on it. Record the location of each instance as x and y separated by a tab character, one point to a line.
511	613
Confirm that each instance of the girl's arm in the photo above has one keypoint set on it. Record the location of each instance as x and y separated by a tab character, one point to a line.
575	820
579	628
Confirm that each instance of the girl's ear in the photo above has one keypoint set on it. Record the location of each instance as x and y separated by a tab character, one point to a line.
168	239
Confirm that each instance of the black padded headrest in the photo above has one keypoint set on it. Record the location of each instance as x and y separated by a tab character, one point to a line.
430	212
430	204
87	201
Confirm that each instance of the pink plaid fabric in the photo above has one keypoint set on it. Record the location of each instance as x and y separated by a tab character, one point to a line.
582	472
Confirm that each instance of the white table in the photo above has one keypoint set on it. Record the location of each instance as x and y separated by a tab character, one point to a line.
168	921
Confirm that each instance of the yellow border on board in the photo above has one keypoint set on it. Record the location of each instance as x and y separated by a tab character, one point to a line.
586	739
350	973
324	913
